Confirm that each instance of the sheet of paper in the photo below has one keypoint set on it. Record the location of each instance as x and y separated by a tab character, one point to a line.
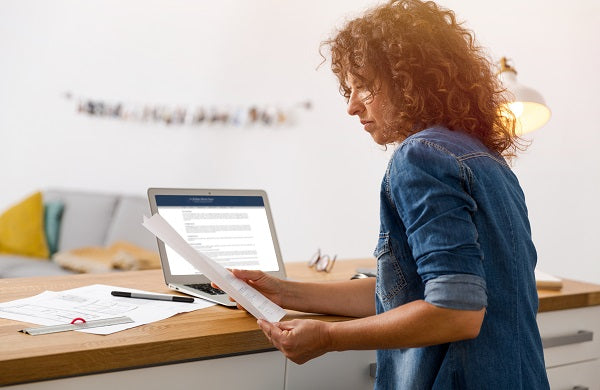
93	303
545	277
544	280
249	298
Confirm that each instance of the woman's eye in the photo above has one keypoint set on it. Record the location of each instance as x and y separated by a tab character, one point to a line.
364	94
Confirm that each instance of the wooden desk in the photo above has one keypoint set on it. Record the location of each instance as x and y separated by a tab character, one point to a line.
209	333
204	334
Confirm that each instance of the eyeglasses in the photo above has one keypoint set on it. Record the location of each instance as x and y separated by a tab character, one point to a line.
322	262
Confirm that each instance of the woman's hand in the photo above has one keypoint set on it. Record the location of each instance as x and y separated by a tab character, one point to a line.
270	286
299	340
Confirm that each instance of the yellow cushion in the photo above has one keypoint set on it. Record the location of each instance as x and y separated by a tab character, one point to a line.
22	228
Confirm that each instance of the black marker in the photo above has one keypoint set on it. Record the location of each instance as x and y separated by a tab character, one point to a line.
174	298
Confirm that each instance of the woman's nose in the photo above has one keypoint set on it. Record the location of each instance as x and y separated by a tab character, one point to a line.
355	105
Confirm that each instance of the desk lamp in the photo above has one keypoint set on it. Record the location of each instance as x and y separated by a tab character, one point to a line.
527	104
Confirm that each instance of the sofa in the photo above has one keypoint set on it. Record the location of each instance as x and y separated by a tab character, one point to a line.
87	220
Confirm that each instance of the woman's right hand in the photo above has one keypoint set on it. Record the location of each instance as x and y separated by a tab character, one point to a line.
270	286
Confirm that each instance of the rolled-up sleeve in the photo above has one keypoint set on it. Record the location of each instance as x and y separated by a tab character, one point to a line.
430	190
461	292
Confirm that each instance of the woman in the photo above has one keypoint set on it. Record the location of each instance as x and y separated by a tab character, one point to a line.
454	301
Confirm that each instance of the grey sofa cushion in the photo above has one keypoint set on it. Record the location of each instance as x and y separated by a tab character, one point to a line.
88	219
127	226
85	219
13	266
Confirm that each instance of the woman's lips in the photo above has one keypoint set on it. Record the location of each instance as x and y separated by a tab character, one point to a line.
367	125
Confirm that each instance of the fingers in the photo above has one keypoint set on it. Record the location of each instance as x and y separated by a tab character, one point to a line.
299	340
280	326
287	325
246	274
270	330
228	269
280	335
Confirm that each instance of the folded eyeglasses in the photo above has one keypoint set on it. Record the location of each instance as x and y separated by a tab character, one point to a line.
321	262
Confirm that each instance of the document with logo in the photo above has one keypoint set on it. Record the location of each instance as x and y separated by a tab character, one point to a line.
250	299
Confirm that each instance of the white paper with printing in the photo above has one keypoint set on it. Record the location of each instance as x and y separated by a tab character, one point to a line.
253	301
93	303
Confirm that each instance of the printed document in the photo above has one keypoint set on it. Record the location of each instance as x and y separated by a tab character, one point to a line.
250	299
93	303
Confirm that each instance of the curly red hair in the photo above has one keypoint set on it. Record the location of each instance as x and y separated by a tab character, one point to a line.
433	70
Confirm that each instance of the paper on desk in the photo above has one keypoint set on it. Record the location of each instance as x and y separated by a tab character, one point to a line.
93	303
253	301
544	280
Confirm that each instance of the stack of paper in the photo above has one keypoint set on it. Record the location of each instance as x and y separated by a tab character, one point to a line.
547	281
92	303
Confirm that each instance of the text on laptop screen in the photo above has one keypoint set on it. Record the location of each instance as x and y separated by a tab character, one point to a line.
232	230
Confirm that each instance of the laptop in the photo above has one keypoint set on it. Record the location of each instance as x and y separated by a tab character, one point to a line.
232	227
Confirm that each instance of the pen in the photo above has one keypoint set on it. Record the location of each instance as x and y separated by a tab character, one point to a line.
173	298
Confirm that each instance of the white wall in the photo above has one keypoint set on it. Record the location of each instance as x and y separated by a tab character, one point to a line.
322	173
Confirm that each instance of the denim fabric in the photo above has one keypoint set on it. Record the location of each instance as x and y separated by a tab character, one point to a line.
455	233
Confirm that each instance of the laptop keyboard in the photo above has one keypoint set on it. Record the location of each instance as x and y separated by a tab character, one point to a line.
207	288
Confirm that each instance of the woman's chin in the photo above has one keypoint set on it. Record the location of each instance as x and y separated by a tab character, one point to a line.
380	139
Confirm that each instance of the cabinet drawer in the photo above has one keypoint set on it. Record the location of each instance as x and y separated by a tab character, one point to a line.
334	370
570	336
579	376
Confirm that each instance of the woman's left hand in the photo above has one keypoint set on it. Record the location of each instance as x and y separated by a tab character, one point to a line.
299	340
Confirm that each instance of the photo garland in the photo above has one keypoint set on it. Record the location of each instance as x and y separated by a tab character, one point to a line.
253	115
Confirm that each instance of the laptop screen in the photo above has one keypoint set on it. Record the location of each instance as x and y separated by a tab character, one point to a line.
232	230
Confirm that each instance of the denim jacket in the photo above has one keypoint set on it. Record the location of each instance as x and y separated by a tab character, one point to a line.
455	233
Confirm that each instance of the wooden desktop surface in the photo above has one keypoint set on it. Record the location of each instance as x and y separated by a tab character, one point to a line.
208	333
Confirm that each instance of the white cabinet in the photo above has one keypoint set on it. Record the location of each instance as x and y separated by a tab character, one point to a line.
259	371
335	370
571	341
572	354
580	376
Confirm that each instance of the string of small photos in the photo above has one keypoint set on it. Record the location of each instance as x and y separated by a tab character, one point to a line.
268	115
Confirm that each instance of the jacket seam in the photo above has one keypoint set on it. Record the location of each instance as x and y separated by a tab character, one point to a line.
517	290
462	157
388	191
431	144
469	156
